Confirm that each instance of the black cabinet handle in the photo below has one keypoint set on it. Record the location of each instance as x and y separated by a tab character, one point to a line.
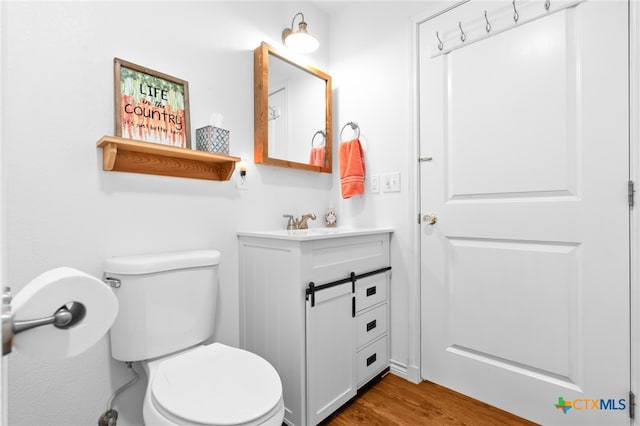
371	291
371	360
371	325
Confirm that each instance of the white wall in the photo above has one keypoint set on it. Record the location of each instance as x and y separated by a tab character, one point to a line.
372	68
64	210
3	228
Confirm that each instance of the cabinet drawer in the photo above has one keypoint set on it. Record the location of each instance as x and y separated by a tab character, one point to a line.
371	324
371	290
372	360
335	258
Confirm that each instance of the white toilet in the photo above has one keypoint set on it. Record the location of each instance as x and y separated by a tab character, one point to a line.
167	310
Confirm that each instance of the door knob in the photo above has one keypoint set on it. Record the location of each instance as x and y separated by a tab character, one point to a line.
430	218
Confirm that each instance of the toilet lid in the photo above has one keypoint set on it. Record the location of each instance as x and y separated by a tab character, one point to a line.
216	384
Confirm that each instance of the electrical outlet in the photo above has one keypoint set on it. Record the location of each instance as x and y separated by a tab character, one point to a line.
391	182
375	183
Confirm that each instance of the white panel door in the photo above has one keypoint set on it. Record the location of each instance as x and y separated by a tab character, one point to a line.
525	273
278	118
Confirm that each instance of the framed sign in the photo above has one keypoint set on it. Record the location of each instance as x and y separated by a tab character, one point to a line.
151	106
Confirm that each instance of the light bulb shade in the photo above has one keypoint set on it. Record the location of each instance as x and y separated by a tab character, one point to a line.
299	40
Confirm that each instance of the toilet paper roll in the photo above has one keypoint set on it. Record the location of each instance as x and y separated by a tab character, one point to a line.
43	296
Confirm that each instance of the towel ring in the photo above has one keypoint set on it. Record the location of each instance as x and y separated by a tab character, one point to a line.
324	138
354	126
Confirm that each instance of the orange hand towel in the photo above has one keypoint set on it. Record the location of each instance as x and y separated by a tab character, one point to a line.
351	160
317	156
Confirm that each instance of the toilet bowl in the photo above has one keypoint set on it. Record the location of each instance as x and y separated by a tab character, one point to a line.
167	305
213	385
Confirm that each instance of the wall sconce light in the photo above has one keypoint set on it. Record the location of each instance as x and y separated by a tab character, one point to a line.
299	40
242	179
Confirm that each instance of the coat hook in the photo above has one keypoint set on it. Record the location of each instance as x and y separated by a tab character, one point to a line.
488	26
547	4
440	45
463	36
515	12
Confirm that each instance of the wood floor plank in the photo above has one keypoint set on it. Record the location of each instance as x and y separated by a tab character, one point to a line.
395	401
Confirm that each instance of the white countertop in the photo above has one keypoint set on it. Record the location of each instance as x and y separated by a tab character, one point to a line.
313	233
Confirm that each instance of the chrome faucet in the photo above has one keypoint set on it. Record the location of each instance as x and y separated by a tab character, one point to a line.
301	223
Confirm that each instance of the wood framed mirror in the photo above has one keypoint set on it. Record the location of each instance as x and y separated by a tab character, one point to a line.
292	113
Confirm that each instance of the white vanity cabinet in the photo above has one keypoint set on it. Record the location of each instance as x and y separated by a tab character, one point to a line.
327	342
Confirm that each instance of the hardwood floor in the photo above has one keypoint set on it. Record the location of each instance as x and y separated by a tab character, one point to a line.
395	401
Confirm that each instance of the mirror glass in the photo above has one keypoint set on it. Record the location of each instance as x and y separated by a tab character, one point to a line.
292	113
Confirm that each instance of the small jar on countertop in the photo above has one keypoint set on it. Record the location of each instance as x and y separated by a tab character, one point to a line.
330	218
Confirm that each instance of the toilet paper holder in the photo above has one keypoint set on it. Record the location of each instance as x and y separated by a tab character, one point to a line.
64	317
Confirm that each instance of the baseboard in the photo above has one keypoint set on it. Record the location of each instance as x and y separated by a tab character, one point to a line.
410	373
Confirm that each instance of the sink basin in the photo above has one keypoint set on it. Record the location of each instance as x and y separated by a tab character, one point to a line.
317	231
306	232
313	233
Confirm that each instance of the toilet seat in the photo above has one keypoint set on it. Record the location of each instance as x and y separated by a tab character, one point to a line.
216	385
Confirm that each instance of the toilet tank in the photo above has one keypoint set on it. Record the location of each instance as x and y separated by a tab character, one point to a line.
167	302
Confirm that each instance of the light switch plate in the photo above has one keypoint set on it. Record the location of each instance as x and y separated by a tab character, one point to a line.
375	183
391	182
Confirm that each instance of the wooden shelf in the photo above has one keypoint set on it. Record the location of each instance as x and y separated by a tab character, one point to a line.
127	155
